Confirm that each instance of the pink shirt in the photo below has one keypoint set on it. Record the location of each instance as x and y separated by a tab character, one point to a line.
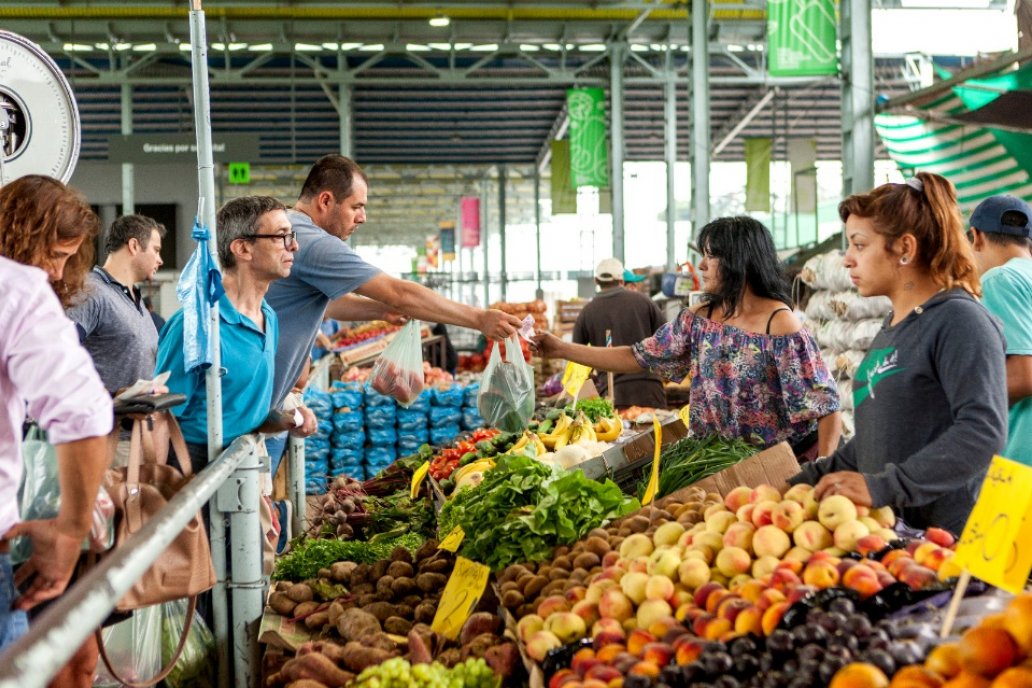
44	369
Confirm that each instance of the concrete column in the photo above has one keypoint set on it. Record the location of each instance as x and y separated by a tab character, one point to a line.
700	116
128	181
670	153
347	143
857	97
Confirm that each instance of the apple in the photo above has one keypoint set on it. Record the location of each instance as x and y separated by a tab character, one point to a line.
835	510
787	515
770	541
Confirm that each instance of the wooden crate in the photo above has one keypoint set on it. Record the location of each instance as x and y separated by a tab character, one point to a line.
567	311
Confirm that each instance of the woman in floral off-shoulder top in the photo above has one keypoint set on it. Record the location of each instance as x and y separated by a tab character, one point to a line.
756	373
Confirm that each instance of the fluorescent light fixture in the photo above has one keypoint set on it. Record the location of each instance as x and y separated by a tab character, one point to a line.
552	46
260	47
331	46
102	46
76	48
417	48
485	48
145	47
529	47
218	46
735	48
122	47
945	4
307	47
371	47
441	46
439	22
593	48
639	48
185	47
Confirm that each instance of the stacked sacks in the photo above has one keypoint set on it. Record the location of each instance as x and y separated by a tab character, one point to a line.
471	418
445	413
381	413
413	428
317	446
347	451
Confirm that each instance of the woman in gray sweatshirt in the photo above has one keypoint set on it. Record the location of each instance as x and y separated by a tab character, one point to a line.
930	397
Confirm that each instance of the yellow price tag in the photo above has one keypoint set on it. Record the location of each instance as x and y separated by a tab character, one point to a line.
574	378
996	544
452	540
653	486
460	597
418	477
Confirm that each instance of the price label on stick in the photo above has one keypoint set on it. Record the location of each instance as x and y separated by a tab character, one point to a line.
460	597
418	477
996	544
574	378
452	540
653	486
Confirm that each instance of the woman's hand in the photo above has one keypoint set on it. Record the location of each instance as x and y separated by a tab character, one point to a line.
546	345
846	483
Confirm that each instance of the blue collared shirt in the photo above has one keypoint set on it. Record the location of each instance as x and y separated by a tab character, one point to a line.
248	358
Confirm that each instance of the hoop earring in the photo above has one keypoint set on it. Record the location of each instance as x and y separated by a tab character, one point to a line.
904	260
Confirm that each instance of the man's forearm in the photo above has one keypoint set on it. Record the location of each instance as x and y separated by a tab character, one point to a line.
351	307
81	466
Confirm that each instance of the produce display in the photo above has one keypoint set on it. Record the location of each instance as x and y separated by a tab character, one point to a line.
582	587
350	336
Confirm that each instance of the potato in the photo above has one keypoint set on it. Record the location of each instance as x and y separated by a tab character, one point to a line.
363	589
435	566
378	570
281	604
380	610
357	623
305	608
431	582
400	554
335	611
366	599
425	612
400	569
397	625
360	574
342	571
383	588
317	620
300	592
403	586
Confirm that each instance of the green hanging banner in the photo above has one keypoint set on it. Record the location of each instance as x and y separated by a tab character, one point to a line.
757	179
589	162
564	198
801	38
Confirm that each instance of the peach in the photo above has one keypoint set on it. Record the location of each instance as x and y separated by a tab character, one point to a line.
659	587
798	553
652	610
713	540
712	509
860	675
798	493
884	516
608	653
863	579
821	574
615	605
950	569
888	533
693	573
738	581
644	668
720	521
681	596
587	611
637	640
787	515
739	535
610	558
764	566
597	587
636	545
795	567
763	513
582	660
528	626
763	493
703	553
784	579
939	557
770	541
812	536
770	597
848	533
603	673
687	650
715	598
575	594
872	525
799	593
744	513
552	604
941	537
919	577
704	591
730	607
658	653
835	510
668	533
749	620
539	644
751	591
738	497
563	677
566	626
772	617
716	629
944	660
868	544
1017	619
924	551
986	651
665	564
607	625
733	560
633	585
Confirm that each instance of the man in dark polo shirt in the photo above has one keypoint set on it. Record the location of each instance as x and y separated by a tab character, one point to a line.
114	325
631	317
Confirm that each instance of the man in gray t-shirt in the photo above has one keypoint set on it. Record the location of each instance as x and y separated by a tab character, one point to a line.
326	271
113	324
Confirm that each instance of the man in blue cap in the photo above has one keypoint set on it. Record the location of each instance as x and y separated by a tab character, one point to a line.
1001	235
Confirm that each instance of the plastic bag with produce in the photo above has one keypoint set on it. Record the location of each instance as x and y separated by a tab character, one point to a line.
399	370
506	397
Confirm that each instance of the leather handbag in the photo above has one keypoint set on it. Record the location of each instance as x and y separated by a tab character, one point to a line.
139	491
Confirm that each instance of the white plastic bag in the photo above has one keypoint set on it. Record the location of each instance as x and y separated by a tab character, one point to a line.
398	372
506	397
134	648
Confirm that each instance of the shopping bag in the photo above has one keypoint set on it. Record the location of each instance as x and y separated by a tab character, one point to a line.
39	497
133	649
194	667
506	397
398	372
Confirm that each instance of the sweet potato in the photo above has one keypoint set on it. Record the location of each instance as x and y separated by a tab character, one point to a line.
358	657
305	608
318	667
419	646
355	624
478	624
317	620
503	659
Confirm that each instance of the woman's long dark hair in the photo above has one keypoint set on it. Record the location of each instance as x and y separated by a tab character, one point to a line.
747	256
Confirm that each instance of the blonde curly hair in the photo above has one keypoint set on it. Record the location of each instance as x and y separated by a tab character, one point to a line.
38	213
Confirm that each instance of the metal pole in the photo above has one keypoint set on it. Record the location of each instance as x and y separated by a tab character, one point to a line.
501	227
347	141
56	635
539	293
700	116
485	235
618	53
670	139
213	383
128	182
857	98
240	496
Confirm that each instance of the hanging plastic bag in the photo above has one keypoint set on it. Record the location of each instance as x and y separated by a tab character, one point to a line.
398	372
506	397
134	648
199	288
194	667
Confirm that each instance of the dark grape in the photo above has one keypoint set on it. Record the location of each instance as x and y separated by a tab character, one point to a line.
845	640
842	605
742	646
637	682
767	662
672	676
906	652
833	621
774	679
838	650
746	665
812	651
829	667
881	659
780	641
809	666
858	625
799	682
727	682
716	663
879	639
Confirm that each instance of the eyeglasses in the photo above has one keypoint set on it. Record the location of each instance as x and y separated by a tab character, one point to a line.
288	239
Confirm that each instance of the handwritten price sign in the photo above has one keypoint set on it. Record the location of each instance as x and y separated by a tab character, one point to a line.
653	486
996	544
453	540
460	597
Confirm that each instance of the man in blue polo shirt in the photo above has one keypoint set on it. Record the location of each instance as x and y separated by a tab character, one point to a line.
256	246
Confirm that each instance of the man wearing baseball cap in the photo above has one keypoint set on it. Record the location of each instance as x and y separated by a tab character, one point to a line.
631	317
1001	235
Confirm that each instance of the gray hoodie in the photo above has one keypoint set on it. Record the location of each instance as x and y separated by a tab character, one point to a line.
930	400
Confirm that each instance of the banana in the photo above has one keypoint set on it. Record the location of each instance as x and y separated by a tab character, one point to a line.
478	465
608	429
562	426
562	440
520	443
538	444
